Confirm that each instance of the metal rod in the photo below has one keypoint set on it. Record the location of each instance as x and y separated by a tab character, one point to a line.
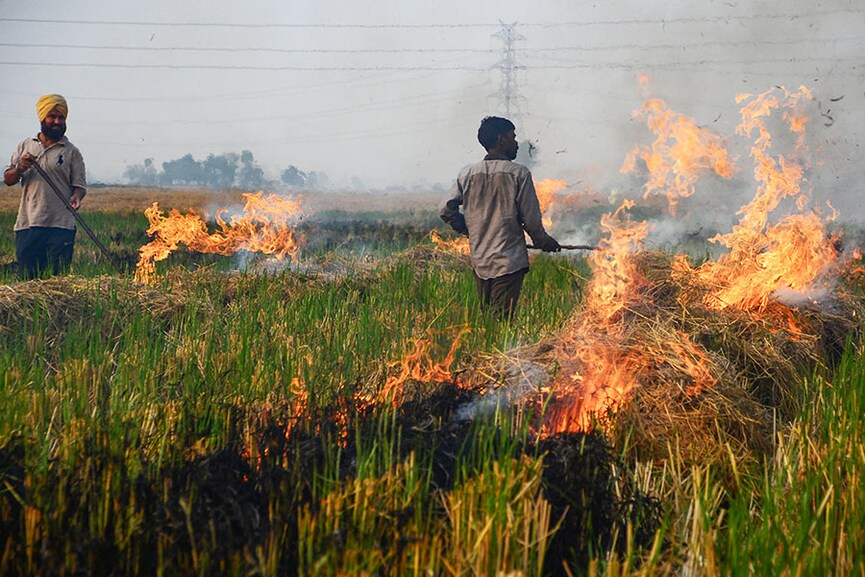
74	212
569	247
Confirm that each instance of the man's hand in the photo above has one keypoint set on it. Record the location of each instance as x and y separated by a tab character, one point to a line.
25	162
12	175
75	199
549	244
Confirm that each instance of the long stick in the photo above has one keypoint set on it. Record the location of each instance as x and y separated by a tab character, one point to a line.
74	212
569	247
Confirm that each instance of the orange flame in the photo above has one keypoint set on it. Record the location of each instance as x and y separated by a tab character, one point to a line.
459	245
615	279
267	225
765	257
546	189
598	370
598	374
600	363
681	152
419	366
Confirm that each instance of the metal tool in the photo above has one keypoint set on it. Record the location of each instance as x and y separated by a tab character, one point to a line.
569	247
74	212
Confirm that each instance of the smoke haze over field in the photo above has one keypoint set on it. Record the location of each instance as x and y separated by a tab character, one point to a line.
392	92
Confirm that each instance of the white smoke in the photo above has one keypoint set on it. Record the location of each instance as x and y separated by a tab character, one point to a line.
522	380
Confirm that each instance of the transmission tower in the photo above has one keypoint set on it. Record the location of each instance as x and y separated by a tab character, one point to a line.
508	90
509	95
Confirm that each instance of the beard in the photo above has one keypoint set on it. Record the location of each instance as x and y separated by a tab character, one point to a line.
53	131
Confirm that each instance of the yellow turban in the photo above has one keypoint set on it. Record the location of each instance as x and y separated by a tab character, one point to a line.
49	102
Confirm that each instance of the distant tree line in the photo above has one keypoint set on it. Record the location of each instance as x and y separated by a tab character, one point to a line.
225	170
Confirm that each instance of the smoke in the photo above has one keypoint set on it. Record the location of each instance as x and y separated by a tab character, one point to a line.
821	298
522	380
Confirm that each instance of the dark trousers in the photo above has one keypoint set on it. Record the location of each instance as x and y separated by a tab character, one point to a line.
43	248
500	294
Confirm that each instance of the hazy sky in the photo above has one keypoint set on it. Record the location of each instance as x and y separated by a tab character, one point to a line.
392	91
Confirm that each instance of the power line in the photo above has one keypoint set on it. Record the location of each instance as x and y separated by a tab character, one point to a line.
576	23
244	67
238	24
256	49
378	106
508	86
635	64
386	77
700	19
609	47
692	45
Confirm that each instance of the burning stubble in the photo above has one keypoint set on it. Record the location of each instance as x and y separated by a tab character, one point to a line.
603	356
267	225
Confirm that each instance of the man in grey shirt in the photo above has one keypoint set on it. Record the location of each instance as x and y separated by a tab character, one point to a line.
45	228
499	204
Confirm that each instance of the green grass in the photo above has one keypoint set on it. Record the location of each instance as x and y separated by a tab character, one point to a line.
124	430
151	431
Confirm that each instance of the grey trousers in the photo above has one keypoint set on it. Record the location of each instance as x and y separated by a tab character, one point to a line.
500	294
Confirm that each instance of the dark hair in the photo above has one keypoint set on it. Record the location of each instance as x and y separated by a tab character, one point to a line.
490	129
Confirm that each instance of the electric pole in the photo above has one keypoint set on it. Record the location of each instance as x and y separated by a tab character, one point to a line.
508	90
509	96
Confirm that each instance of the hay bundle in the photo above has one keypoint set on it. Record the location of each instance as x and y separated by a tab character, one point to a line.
704	381
64	298
758	360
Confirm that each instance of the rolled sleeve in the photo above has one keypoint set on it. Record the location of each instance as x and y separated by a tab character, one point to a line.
450	212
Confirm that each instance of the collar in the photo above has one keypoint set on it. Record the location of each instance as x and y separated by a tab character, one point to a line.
62	142
495	156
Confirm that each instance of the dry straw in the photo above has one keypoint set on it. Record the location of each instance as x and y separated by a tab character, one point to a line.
755	361
64	298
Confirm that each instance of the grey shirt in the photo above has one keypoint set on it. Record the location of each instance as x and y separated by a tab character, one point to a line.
499	203
62	161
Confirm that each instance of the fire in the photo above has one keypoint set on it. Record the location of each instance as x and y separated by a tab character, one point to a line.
601	358
764	256
459	245
681	152
419	366
267	225
614	273
597	374
598	370
546	190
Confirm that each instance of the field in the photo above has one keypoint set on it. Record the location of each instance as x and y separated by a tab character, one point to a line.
353	412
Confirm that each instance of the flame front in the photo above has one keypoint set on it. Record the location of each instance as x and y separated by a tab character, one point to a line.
267	225
603	356
546	190
600	366
459	245
598	370
764	256
419	366
681	152
615	280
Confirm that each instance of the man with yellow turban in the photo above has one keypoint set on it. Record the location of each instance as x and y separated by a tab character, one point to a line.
45	228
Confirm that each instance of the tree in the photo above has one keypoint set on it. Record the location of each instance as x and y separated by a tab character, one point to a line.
251	176
184	170
219	171
317	179
142	174
293	177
